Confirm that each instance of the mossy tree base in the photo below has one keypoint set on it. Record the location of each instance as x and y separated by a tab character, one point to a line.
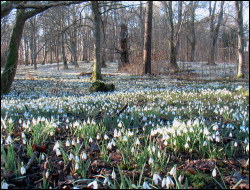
95	77
100	86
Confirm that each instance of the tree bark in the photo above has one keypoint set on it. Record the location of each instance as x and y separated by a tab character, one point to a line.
124	46
12	57
64	59
96	75
214	31
148	38
240	34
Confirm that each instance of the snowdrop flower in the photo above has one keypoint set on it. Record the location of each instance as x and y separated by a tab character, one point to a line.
58	152
150	161
90	139
188	139
247	148
9	140
42	156
94	183
164	182
47	174
77	159
165	143
71	157
186	145
24	141
205	143
125	138
67	143
180	178
113	175
109	146
106	180
120	124
159	154
106	137
23	135
77	166
132	149
23	170
169	182
73	142
173	171
235	144
77	140
215	127
84	156
214	173
205	131
98	137
145	185
230	134
156	177
217	139
56	146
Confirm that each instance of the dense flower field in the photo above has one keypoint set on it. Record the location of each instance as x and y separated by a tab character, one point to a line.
148	133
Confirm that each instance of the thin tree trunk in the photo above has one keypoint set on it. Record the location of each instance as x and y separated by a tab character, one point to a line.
64	59
148	38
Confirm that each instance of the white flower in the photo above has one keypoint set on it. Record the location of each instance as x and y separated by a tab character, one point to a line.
205	131
67	143
71	157
230	134
145	185
77	166
9	140
188	139
186	145
73	142
98	137
106	180
125	138
165	143
247	148
56	146
113	175
169	182
132	149
24	141
109	146
205	143
94	183
84	156
4	185
159	154
77	140
214	173
120	124
217	139
77	159
23	170
23	135
137	142
90	140
164	182
235	144
156	177
42	156
150	161
180	178
173	171
47	174
58	152
106	137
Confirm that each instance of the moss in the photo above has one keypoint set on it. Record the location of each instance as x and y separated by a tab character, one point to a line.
100	86
198	180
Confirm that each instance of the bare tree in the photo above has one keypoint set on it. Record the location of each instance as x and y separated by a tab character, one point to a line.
148	37
214	30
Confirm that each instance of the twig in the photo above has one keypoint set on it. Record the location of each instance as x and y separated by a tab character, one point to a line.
31	160
121	110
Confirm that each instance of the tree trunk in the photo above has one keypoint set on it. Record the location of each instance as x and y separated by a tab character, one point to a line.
240	34
214	31
9	72
124	46
96	75
64	59
148	38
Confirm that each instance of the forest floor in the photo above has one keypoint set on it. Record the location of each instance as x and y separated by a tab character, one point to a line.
151	132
